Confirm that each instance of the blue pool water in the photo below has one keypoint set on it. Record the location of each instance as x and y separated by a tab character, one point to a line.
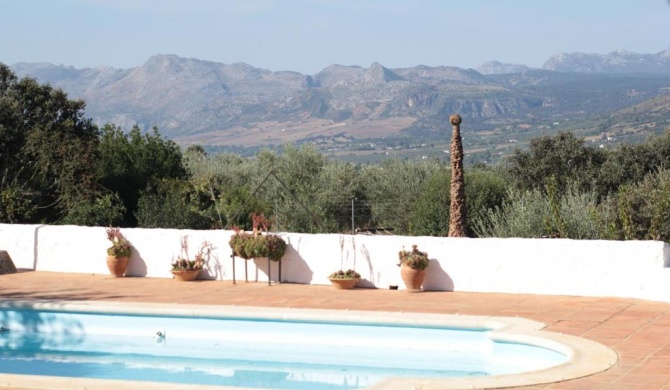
250	352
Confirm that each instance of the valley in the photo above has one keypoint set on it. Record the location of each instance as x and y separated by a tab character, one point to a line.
371	114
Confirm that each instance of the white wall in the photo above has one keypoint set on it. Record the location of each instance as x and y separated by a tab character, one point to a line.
20	242
635	269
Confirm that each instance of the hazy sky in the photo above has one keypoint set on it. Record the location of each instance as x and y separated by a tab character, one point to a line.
308	35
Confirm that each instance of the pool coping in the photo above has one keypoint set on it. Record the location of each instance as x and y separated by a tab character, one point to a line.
585	357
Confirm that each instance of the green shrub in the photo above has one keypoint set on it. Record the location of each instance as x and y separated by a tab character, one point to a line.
521	216
104	211
430	211
563	156
173	204
484	189
639	212
536	214
392	188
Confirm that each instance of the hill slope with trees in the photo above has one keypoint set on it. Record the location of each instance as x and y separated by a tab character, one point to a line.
58	167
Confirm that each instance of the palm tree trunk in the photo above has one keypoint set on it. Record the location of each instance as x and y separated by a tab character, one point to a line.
457	211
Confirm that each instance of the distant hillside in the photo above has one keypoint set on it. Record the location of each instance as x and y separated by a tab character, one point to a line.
620	61
344	107
496	67
637	122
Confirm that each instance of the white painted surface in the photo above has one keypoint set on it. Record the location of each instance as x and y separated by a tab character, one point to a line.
635	269
19	242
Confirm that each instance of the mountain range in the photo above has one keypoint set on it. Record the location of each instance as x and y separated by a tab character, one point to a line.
209	103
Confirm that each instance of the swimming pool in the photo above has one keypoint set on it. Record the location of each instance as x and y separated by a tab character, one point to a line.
274	348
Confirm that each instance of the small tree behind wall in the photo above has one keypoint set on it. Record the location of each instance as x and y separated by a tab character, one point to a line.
457	211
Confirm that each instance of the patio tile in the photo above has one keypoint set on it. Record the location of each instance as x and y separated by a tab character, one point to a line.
592	315
663	352
655	381
662	320
618	334
632	350
641	343
658	329
633	386
579	384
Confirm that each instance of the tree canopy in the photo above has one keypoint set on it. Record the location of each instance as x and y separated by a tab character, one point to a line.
56	166
47	149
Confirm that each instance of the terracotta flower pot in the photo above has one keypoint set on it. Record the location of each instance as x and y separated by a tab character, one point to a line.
117	265
413	278
343	284
186	275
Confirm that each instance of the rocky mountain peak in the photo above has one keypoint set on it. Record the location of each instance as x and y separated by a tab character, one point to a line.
497	67
618	61
242	71
163	60
187	96
339	74
377	74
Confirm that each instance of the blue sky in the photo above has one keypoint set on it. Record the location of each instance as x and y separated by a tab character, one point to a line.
308	35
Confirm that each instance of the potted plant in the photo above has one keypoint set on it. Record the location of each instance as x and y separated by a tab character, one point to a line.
259	243
119	253
413	266
276	246
183	268
238	243
345	280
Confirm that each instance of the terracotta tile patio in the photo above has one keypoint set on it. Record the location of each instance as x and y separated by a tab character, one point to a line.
639	331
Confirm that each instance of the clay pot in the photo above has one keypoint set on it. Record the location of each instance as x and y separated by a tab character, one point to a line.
413	278
186	275
117	265
343	284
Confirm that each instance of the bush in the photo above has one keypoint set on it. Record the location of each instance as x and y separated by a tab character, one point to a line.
521	216
639	212
563	156
104	211
172	204
392	188
129	162
536	214
485	189
430	211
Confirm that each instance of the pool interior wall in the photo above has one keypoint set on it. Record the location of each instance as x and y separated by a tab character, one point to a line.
252	352
584	357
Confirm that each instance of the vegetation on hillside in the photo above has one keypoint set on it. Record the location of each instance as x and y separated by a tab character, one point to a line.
57	168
